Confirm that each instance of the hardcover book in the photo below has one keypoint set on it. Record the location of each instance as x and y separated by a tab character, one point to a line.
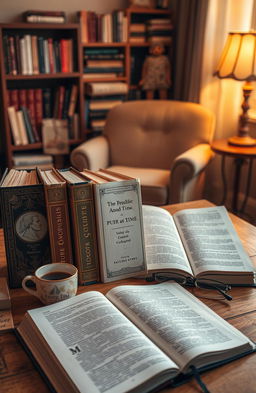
195	243
57	215
119	222
84	237
24	224
135	339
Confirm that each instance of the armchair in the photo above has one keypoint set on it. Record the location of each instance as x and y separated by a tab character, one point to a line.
164	143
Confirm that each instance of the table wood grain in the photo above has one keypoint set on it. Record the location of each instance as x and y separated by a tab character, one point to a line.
19	375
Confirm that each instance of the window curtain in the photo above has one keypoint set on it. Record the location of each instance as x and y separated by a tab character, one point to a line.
190	21
222	96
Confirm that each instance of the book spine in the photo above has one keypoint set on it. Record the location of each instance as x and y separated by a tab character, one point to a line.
14	98
84	232
40	42
14	125
64	55
45	19
14	68
28	54
22	128
35	61
47	103
32	114
38	102
73	100
46	57
58	223
28	124
7	59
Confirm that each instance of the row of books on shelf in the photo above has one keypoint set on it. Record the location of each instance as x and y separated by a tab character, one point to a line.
101	98
152	31
28	107
32	55
109	27
103	61
95	219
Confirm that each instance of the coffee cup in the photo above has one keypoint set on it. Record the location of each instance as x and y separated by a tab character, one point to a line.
53	282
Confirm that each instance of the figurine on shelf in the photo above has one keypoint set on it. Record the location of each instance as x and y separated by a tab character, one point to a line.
156	72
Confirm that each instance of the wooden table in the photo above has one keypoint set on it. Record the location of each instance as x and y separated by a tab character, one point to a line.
241	155
18	374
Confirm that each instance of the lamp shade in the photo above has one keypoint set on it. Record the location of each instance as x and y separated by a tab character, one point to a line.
238	59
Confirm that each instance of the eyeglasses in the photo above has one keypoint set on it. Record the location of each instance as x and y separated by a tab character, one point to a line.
210	285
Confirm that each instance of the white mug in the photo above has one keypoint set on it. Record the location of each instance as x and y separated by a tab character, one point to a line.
53	282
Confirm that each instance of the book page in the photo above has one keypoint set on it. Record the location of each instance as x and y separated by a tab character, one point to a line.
180	324
211	241
98	346
164	249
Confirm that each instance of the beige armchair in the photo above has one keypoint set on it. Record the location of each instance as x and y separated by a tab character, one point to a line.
164	143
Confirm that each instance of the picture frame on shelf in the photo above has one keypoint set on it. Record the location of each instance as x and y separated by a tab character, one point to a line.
143	3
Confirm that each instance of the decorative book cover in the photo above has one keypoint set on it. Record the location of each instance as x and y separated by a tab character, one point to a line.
58	217
81	205
25	230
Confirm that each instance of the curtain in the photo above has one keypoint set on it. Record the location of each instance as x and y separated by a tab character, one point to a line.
189	41
222	96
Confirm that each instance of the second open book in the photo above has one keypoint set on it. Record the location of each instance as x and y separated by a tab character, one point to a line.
200	242
133	340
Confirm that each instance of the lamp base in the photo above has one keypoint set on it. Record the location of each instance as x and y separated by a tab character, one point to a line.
243	141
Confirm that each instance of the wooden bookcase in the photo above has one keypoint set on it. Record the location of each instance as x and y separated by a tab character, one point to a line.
39	81
130	50
77	76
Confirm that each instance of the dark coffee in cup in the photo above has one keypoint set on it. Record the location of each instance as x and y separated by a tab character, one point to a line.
56	275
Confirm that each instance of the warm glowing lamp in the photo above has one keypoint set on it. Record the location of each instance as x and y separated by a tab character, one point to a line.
238	61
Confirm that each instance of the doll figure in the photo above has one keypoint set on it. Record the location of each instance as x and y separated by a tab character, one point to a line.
156	72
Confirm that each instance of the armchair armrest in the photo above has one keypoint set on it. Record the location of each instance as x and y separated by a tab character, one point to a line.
187	173
93	154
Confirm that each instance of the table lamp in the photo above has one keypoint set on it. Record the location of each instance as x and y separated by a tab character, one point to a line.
238	61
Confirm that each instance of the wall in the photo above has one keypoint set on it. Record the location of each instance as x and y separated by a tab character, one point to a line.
10	11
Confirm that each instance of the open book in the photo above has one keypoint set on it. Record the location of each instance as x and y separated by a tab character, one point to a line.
200	243
135	339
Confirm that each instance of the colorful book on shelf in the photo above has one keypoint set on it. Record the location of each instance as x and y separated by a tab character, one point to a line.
28	125
119	225
14	125
24	223
57	215
84	237
22	128
156	336
106	88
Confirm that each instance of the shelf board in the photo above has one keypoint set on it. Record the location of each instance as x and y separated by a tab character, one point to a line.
102	44
42	26
58	75
145	10
118	78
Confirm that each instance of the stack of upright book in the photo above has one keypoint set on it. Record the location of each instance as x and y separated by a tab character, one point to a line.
159	30
103	62
101	98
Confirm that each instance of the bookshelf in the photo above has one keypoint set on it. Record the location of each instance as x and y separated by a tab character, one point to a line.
127	56
130	50
17	78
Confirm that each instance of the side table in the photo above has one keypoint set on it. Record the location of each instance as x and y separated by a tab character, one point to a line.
241	155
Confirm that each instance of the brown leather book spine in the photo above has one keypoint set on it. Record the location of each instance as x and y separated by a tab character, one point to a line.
58	222
82	211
